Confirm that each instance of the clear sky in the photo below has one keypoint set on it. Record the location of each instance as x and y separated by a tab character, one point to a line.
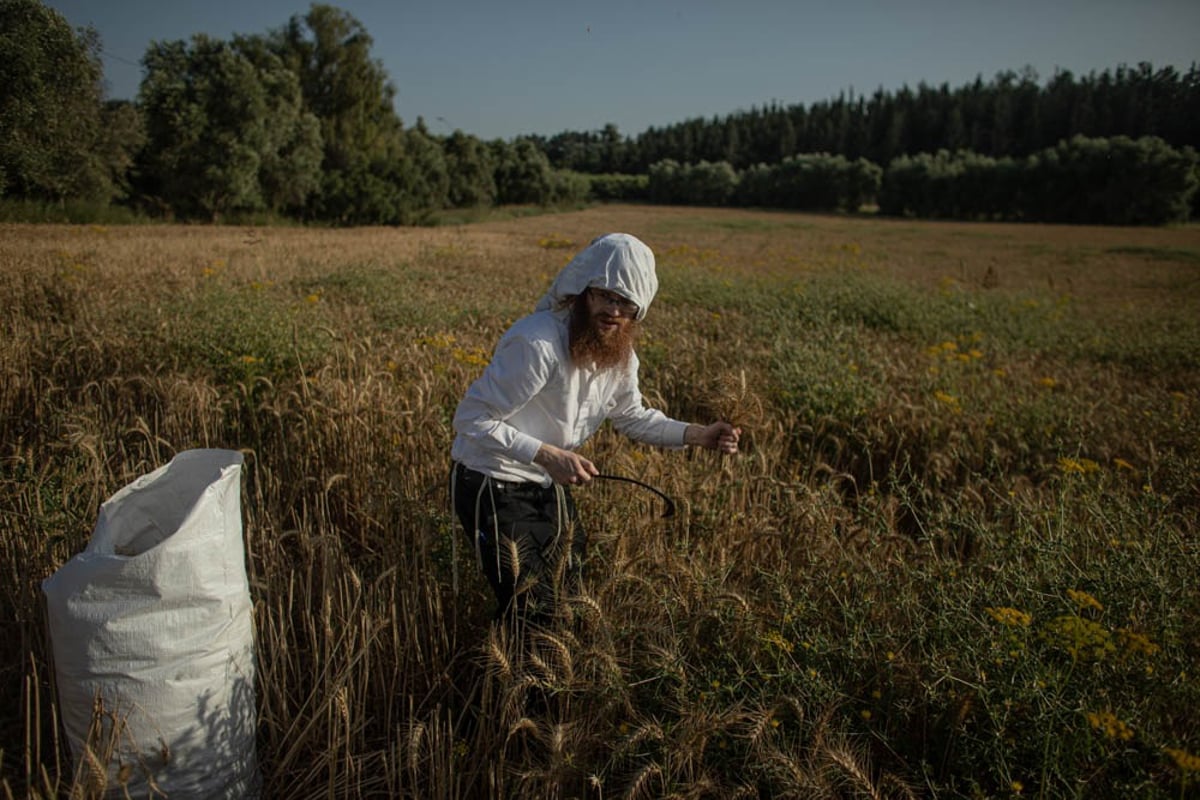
499	69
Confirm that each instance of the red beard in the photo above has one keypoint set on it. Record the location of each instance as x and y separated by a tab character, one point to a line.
590	344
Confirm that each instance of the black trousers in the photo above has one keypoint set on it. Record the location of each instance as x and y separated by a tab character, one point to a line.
530	543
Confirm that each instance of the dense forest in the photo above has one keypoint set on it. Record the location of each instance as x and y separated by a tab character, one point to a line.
299	123
1012	115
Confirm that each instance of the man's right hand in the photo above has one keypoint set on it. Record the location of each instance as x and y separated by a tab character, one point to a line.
565	466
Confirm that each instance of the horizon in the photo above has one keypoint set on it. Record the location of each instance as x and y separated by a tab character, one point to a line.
555	68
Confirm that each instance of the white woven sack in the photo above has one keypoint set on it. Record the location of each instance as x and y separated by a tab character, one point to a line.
154	619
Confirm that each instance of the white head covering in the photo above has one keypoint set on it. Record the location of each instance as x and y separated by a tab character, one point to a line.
615	261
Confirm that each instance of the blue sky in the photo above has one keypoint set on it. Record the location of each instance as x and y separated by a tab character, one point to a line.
501	69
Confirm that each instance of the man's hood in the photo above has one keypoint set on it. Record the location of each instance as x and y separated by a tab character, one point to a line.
615	261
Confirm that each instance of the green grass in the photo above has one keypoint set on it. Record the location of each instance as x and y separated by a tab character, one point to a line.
74	212
1172	254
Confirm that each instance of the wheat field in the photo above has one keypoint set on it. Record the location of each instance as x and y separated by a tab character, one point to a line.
957	556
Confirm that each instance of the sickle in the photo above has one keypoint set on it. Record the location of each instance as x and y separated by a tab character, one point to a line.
668	511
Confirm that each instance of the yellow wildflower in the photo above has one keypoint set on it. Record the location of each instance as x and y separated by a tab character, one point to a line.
1011	617
776	638
1183	759
1135	642
1081	638
1048	382
1082	466
474	358
438	340
1084	600
555	242
1107	723
948	399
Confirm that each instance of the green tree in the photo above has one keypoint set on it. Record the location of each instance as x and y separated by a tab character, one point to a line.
1010	115
612	149
425	179
122	137
786	139
705	184
53	144
223	133
470	170
1111	181
290	169
349	93
816	181
666	182
204	116
522	173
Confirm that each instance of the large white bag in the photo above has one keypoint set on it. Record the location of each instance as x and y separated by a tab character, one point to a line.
154	619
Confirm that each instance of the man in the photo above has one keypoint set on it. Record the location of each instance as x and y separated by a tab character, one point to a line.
556	375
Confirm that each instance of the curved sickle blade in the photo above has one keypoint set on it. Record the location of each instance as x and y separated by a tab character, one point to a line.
668	511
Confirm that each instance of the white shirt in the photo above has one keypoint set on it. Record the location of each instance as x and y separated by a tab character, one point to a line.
533	393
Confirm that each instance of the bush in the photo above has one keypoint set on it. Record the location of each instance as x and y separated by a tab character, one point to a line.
73	212
619	187
523	173
568	187
920	185
1117	181
703	184
815	182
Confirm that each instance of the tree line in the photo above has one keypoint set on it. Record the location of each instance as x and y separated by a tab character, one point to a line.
300	123
1011	115
1107	181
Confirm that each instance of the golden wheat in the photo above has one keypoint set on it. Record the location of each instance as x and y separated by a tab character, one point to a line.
334	359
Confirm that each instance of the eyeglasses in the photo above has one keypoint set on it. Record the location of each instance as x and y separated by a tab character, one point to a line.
606	298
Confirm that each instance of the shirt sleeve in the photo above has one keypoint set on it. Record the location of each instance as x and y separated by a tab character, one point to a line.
518	370
631	417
